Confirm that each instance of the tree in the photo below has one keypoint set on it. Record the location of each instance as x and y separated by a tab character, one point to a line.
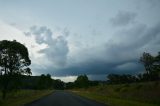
157	62
124	78
152	67
58	84
147	60
45	82
82	81
14	62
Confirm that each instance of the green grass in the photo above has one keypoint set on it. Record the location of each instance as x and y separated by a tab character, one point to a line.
111	101
137	94
22	97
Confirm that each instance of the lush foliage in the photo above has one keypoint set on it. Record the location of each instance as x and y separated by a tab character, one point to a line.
22	97
14	61
82	81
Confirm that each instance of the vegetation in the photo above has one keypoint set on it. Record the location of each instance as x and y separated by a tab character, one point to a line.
135	94
82	81
129	90
152	68
21	97
118	79
45	82
14	61
15	76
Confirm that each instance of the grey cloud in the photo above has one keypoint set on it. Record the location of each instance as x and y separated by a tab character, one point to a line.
119	58
137	37
95	68
66	32
27	33
42	34
153	2
120	55
57	49
123	18
57	52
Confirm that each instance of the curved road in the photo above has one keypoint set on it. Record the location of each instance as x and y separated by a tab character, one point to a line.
63	98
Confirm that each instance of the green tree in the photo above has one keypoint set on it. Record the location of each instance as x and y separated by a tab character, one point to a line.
147	59
45	82
124	78
58	84
14	62
82	81
157	62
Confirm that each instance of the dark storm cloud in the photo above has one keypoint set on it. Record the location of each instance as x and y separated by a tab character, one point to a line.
138	36
123	18
96	68
119	55
57	49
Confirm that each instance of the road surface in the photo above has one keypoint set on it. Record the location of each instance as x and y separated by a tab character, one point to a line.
64	98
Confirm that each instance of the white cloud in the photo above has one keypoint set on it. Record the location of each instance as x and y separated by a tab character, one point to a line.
57	47
66	78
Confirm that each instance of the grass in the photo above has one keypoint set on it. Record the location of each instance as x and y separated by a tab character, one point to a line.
22	97
136	94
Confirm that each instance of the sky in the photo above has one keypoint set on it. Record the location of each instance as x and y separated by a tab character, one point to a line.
67	38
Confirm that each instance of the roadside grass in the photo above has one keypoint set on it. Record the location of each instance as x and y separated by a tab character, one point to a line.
136	94
111	101
21	97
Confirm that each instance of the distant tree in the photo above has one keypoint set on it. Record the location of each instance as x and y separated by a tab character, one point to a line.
152	67
124	78
14	61
157	62
45	82
82	81
147	59
155	75
113	78
58	84
70	85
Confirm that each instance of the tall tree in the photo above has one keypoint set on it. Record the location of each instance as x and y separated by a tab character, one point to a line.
14	61
157	62
147	59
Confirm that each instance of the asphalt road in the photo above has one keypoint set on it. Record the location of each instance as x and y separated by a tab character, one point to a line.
64	98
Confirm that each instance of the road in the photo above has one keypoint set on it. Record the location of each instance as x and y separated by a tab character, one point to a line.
64	98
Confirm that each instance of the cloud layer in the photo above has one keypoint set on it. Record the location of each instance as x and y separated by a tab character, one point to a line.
123	18
57	48
75	37
119	55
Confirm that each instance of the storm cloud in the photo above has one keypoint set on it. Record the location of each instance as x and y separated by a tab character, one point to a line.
96	38
120	55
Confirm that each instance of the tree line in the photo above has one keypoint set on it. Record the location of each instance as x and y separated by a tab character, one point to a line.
152	71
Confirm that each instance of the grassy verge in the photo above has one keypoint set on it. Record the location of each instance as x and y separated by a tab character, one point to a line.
111	101
22	97
137	94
